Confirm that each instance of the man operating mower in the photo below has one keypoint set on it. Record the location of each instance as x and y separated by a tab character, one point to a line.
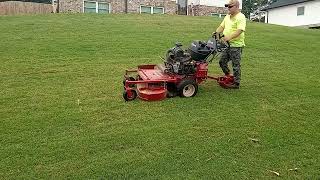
233	27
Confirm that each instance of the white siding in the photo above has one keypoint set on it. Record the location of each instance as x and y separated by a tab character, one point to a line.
287	15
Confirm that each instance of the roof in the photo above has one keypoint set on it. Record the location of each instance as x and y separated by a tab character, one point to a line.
281	3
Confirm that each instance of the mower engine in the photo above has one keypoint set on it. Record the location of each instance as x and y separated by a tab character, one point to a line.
179	61
183	62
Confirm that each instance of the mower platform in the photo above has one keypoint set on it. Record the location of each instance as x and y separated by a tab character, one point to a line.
149	84
153	72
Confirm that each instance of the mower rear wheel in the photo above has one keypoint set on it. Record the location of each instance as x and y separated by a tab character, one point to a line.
187	88
133	96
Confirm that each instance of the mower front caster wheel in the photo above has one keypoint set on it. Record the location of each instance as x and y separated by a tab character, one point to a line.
187	88
129	79
133	96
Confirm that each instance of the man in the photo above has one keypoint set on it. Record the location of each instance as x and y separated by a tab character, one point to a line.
233	27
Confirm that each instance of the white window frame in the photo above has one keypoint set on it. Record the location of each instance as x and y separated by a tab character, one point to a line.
97	5
151	8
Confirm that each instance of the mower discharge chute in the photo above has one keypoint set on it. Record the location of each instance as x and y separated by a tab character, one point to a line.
180	74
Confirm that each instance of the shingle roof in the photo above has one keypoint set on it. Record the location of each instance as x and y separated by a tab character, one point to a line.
281	3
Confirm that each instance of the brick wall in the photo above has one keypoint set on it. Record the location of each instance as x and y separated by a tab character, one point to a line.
74	6
118	6
201	10
170	7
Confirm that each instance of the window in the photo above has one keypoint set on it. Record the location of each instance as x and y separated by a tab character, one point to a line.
222	15
300	11
215	15
158	10
96	7
145	9
103	7
151	10
89	7
218	15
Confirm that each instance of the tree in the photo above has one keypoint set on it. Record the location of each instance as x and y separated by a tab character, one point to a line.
249	6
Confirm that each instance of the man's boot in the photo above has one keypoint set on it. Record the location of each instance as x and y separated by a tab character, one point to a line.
233	85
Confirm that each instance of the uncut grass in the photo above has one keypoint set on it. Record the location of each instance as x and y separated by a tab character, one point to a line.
63	116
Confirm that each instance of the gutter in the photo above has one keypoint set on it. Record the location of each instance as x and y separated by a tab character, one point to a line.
268	8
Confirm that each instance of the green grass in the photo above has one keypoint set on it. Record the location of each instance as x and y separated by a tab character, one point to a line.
63	116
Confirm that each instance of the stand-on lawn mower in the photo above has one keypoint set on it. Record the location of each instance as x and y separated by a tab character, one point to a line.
180	74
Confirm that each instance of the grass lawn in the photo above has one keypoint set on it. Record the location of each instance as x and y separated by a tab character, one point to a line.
62	115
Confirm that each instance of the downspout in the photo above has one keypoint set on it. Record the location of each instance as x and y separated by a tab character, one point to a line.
187	8
126	6
57	6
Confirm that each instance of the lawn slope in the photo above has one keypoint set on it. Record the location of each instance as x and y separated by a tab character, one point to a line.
62	113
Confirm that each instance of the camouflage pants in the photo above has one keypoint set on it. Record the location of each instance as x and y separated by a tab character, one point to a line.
232	54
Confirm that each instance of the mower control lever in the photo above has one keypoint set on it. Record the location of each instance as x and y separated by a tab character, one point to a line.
218	38
217	35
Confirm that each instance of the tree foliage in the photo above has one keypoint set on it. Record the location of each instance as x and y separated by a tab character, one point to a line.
248	6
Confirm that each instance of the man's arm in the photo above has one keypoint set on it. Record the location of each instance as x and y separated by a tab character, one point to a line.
219	29
233	35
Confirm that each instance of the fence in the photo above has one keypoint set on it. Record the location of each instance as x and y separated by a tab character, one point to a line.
18	7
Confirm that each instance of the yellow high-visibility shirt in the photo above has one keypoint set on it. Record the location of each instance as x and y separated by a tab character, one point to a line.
231	25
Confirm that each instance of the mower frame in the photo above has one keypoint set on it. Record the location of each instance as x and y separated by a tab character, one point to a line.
151	83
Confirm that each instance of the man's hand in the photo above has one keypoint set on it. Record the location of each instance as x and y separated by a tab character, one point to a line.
214	33
219	30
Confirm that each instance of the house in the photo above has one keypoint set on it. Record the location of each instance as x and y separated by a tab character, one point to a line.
182	7
304	13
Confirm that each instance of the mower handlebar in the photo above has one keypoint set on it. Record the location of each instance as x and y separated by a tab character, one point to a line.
228	43
218	36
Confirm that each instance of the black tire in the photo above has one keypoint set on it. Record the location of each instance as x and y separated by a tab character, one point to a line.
171	90
127	98
187	88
